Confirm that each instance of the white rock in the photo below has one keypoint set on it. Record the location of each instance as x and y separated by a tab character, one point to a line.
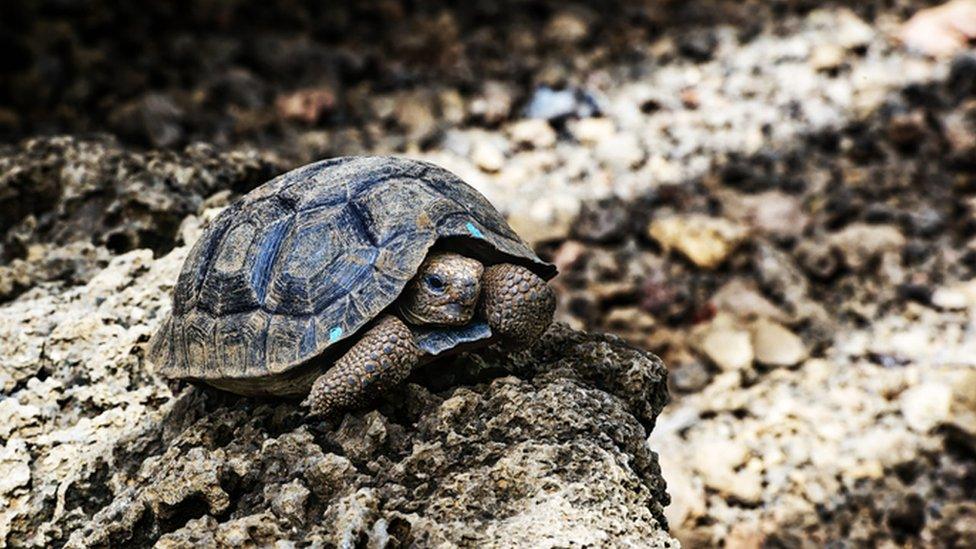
826	57
488	157
14	465
593	130
728	348
950	299
926	406
533	132
859	243
622	152
775	345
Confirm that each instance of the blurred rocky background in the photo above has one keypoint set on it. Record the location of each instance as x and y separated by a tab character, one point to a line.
777	197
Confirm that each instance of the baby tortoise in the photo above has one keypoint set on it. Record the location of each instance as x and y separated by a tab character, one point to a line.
338	278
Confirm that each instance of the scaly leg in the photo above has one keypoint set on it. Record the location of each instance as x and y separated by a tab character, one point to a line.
517	304
383	357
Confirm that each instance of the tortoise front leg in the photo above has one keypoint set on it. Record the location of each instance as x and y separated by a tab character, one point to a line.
517	304
383	357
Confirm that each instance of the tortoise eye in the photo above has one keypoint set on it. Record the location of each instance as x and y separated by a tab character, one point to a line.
435	283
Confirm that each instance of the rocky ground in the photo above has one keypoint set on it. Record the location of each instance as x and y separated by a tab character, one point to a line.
776	197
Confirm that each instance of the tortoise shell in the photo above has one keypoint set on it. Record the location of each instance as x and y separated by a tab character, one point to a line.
299	265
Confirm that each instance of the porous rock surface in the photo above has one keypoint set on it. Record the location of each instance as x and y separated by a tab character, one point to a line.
543	448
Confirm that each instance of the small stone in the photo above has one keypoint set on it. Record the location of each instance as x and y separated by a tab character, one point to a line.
950	299
706	241
488	157
698	44
593	130
775	345
622	152
727	348
827	57
494	105
305	105
942	30
691	377
860	243
566	28
852	32
926	406
533	132
14	466
745	301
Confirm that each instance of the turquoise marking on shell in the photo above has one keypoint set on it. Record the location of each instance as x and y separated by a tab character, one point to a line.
475	232
335	334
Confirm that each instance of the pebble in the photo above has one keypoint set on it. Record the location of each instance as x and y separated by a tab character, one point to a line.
621	152
533	132
494	105
860	243
706	241
827	57
727	348
852	32
775	345
593	130
566	28
306	105
691	377
488	157
951	299
927	405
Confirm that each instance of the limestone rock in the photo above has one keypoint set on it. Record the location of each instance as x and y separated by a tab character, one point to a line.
706	241
542	447
777	346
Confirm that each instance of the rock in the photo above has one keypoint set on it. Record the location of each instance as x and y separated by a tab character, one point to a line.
494	105
533	133
488	157
414	112
567	28
706	241
827	57
154	119
727	347
602	221
698	44
550	104
743	300
860	243
593	130
306	105
774	213
75	263
546	219
851	31
691	377
545	446
622	152
942	30
719	461
100	192
926	406
775	345
954	299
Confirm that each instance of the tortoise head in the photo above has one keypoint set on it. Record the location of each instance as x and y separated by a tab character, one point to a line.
444	292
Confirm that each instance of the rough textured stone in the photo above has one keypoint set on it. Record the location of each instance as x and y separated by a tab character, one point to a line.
544	447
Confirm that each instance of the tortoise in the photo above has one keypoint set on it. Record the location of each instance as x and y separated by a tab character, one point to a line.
336	279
